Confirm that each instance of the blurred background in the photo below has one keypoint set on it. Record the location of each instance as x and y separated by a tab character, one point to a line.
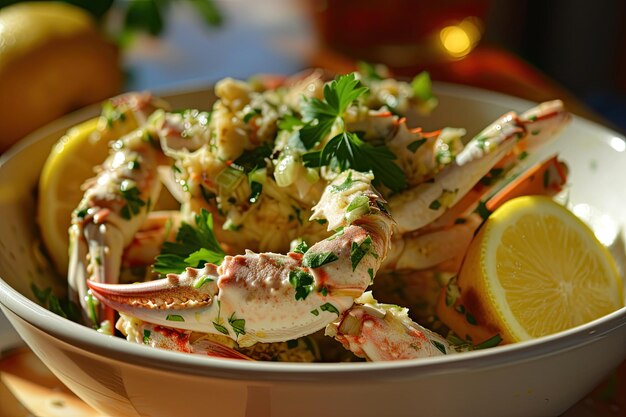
533	49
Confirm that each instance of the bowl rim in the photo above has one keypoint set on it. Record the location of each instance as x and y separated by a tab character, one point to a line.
118	349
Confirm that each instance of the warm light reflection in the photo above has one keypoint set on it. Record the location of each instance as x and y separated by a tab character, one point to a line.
618	144
603	225
459	40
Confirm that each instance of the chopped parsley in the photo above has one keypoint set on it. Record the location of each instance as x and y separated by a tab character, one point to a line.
238	325
346	149
482	210
415	145
315	260
303	282
59	306
176	256
422	86
301	248
289	122
220	328
175	317
358	251
131	194
146	336
491	342
435	205
439	346
330	308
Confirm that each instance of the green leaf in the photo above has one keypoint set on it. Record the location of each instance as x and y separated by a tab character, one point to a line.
253	159
439	346
314	131
248	116
175	317
315	260
203	280
368	71
144	15
422	86
302	248
320	115
360	202
204	256
482	210
347	150
131	194
358	251
415	145
303	282
41	295
238	325
220	328
344	185
491	342
209	11
146	336
289	122
194	246
256	188
330	308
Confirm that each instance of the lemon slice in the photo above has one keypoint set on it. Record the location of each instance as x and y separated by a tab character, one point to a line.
71	162
533	269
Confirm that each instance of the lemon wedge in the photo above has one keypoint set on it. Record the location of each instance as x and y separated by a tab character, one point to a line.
533	269
54	58
71	161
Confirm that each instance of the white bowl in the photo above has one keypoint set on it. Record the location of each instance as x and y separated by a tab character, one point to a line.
542	377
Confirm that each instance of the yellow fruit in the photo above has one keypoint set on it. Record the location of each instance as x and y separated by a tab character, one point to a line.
533	269
53	59
70	163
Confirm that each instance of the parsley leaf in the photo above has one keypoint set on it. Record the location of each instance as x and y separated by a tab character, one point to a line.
238	325
131	194
358	251
321	115
194	247
315	260
348	150
303	282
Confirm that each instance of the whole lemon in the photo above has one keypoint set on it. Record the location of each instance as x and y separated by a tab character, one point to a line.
53	59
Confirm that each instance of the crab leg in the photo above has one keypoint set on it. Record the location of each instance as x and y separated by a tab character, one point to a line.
269	297
175	340
451	234
382	332
114	204
424	203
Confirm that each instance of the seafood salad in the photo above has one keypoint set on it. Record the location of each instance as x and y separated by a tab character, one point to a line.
312	220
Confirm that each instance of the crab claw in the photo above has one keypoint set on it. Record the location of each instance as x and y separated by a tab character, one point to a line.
173	302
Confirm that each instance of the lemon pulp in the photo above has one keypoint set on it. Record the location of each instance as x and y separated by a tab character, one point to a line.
533	269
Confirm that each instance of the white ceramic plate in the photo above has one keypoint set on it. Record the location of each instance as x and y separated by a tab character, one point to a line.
540	377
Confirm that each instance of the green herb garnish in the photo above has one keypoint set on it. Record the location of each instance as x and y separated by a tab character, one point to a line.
131	194
348	150
303	282
238	325
330	308
358	251
176	256
175	317
315	260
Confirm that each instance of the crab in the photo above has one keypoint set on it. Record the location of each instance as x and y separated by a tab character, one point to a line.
301	195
